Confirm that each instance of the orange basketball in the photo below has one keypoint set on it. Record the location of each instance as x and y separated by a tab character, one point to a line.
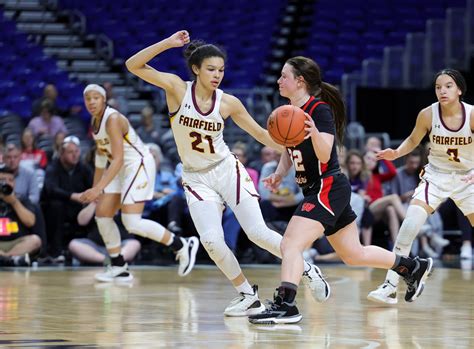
286	125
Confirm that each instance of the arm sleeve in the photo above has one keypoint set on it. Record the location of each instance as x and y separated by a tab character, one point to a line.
323	119
51	187
391	171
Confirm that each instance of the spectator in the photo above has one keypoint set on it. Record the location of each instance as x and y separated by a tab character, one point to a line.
46	123
92	250
165	188
26	182
50	93
30	153
267	154
66	179
359	176
17	218
57	143
149	129
239	149
388	206
281	204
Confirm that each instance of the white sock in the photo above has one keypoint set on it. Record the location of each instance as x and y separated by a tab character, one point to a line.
244	288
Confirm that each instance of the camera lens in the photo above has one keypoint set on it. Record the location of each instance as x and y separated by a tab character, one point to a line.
6	189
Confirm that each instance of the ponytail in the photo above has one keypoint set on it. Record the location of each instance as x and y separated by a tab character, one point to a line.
332	96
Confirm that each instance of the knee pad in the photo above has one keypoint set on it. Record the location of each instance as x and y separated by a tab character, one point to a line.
214	244
109	231
265	238
131	222
414	220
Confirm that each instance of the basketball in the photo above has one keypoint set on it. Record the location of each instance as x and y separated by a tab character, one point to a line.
286	125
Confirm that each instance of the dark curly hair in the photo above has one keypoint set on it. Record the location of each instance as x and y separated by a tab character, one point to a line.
198	50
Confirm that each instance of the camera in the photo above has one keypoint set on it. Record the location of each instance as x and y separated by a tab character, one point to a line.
5	188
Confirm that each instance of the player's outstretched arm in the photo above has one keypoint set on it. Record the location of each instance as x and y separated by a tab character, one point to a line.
137	64
422	127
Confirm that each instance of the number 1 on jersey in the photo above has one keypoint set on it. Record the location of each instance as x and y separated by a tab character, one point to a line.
198	140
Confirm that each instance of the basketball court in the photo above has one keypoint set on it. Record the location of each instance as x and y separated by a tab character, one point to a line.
65	308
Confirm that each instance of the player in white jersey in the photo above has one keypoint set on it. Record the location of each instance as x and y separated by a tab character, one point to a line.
124	179
212	175
449	124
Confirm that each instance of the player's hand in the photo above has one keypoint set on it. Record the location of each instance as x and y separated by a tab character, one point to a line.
310	126
90	195
272	182
179	39
387	154
469	179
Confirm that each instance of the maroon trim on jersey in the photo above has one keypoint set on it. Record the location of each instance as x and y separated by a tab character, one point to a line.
133	180
196	195
463	118
126	140
323	195
100	124
173	113
252	194
238	182
193	94
426	193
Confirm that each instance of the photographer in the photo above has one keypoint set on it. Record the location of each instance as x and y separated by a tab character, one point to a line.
17	218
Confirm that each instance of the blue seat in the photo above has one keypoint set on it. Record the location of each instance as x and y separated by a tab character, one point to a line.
414	60
371	72
392	66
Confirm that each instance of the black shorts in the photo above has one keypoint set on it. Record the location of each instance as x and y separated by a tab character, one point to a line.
329	205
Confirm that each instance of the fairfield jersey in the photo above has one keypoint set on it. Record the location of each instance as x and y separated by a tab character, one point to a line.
199	136
451	150
133	147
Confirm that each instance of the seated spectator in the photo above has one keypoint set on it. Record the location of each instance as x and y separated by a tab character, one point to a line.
30	153
91	249
267	154
27	185
165	187
281	204
50	93
148	131
359	176
58	143
46	123
66	179
387	207
17	239
239	149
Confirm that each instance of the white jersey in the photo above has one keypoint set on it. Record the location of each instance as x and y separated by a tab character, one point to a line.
451	150
199	136
133	148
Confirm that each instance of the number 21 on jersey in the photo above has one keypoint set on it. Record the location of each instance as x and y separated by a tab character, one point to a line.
198	139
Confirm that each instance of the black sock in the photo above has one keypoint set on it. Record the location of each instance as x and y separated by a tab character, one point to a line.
403	265
287	291
117	261
177	244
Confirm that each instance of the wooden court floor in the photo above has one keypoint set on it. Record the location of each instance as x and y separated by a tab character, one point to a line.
64	308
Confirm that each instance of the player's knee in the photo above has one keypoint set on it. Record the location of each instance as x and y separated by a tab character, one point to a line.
214	244
131	222
354	257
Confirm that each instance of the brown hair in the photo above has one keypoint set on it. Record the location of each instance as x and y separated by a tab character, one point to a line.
311	73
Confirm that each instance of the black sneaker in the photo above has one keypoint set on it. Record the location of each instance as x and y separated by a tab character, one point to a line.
278	312
416	280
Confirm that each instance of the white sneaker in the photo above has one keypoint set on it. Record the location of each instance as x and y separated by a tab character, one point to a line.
115	273
245	304
187	255
313	278
385	293
438	241
466	252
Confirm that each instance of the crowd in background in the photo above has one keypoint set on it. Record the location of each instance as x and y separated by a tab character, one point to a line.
43	218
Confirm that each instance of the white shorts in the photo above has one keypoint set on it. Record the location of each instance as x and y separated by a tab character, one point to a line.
134	182
228	182
435	187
